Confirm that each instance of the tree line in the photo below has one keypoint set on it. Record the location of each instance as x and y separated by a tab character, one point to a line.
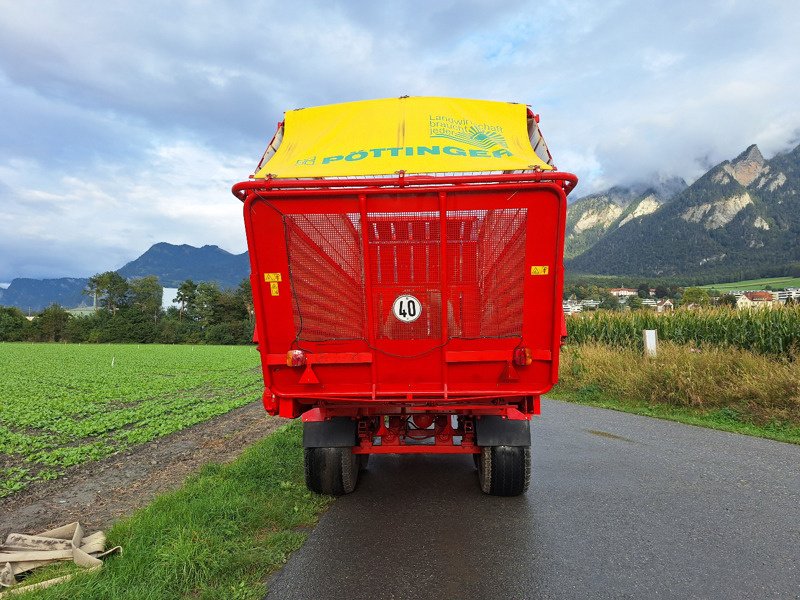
130	311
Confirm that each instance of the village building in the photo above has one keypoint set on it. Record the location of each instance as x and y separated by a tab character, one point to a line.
760	299
571	307
664	305
786	295
590	304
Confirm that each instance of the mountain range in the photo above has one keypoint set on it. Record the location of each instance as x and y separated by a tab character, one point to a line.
172	264
592	217
175	264
740	219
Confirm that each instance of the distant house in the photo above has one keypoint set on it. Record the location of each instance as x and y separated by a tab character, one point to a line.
761	299
623	292
664	305
590	304
657	305
783	296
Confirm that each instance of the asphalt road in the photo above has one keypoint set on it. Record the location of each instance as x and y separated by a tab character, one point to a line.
620	506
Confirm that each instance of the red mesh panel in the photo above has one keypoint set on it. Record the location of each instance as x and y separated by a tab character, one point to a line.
486	270
404	256
463	306
327	276
484	277
501	271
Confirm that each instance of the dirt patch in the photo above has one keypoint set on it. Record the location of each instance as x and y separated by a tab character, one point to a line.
99	493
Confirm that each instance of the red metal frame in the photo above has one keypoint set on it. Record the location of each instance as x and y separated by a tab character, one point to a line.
383	382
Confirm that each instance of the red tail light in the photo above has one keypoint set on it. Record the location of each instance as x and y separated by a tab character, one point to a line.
522	356
295	358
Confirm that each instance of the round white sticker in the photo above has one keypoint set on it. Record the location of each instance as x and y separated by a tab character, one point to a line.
407	308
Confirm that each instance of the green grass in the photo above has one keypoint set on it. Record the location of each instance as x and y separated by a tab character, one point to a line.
63	405
220	536
755	284
722	388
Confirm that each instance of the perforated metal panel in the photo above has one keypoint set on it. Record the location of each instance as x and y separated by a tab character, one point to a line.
404	258
501	272
327	276
483	282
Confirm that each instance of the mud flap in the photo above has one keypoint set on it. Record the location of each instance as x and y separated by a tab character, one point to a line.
497	431
338	432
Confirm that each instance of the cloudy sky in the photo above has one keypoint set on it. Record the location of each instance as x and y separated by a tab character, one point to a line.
125	123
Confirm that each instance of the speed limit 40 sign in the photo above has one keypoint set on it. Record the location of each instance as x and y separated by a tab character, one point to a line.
407	308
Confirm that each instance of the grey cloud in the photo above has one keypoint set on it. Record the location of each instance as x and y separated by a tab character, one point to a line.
125	96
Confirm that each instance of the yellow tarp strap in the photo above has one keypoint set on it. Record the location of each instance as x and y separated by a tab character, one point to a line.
415	135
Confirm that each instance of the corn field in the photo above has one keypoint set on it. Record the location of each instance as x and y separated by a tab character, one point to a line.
769	331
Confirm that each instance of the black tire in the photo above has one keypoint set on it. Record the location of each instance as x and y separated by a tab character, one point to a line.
504	470
332	471
363	461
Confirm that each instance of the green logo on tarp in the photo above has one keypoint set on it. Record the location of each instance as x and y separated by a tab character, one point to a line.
480	135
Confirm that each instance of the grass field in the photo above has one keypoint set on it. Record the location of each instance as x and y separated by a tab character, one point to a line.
219	536
755	284
63	405
722	388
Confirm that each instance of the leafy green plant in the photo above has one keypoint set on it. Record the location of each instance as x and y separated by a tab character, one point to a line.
64	405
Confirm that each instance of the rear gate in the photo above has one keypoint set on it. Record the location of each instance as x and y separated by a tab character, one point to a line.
362	273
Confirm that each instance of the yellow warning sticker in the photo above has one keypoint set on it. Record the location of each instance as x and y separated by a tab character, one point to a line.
272	277
273	288
540	270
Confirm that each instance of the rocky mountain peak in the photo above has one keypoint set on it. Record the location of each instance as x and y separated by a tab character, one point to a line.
752	153
747	166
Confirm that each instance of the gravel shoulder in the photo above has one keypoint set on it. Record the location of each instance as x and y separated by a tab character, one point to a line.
99	493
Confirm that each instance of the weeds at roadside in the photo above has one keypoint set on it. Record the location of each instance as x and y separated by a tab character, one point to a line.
219	536
722	388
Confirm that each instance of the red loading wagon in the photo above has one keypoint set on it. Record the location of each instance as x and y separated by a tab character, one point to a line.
407	276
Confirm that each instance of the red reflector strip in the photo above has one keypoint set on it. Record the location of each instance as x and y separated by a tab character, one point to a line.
539	354
327	358
466	356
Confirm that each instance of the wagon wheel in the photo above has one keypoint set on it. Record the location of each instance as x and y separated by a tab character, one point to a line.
504	470
331	471
363	461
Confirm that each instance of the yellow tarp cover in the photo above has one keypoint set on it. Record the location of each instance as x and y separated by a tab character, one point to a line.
414	134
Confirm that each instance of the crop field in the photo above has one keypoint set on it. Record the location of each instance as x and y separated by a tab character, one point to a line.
720	387
775	283
63	405
773	332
